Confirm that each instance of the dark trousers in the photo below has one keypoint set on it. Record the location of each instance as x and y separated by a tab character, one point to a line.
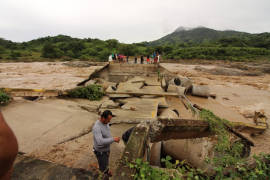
103	161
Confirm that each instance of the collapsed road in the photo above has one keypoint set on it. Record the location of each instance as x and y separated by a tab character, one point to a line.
59	130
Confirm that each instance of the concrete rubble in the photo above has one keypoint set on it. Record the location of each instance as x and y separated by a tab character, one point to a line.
163	120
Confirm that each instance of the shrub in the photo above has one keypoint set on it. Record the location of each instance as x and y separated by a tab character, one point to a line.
4	97
91	92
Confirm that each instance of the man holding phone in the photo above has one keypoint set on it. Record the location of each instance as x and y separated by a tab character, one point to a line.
102	141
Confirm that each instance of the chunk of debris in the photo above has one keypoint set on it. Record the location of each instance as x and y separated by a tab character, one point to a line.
109	105
119	96
170	113
202	91
136	80
92	81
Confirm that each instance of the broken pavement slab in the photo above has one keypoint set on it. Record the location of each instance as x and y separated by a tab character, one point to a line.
134	149
136	80
119	96
109	104
135	109
129	87
37	125
26	168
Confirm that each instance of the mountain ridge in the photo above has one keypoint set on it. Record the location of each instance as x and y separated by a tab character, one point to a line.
197	35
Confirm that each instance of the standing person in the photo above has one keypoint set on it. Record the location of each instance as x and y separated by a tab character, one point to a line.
102	141
142	59
158	58
110	58
8	149
135	60
127	58
155	60
148	59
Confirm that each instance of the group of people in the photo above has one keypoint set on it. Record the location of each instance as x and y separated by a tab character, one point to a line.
119	57
150	59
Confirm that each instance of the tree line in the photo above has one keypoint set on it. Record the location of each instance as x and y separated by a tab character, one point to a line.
67	48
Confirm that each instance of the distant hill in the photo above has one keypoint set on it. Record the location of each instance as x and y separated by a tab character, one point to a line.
197	35
183	43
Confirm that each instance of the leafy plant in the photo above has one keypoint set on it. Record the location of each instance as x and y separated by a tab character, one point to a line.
4	97
91	92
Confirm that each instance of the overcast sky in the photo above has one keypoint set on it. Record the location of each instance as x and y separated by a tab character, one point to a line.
127	20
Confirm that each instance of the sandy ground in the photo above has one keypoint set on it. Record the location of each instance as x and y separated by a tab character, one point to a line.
241	95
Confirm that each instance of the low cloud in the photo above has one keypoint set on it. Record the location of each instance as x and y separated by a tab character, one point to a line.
126	20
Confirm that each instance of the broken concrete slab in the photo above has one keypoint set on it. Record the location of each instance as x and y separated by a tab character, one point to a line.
146	90
149	96
175	103
156	89
29	168
155	154
135	148
135	110
110	88
92	81
129	87
37	125
148	106
105	84
162	103
109	104
117	130
136	80
117	96
130	116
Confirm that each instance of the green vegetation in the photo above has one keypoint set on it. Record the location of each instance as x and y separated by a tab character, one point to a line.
228	161
91	92
177	170
180	170
227	154
4	97
198	43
